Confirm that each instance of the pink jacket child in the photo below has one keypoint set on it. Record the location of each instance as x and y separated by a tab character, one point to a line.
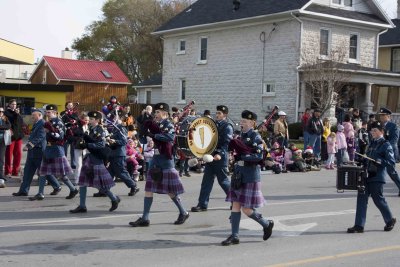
132	157
341	144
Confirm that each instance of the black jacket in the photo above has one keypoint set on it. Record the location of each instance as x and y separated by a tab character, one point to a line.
16	124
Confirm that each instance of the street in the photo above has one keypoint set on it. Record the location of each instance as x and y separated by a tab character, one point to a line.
310	217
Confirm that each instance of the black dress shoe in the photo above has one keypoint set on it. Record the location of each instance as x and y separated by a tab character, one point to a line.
114	204
198	209
133	191
140	223
78	209
56	191
389	226
37	197
355	229
182	218
231	240
99	194
20	194
268	230
72	194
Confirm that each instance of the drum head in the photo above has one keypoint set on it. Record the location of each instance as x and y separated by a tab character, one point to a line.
202	136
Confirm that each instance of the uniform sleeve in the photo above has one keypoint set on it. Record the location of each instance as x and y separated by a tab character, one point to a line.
386	155
227	136
36	137
258	154
121	136
99	141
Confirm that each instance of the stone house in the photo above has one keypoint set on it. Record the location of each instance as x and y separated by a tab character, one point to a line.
248	54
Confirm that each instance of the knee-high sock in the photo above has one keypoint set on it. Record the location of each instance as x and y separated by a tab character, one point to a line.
68	183
178	203
146	209
259	218
42	183
82	196
110	194
235	222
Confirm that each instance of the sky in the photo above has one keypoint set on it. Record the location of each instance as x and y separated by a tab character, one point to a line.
48	26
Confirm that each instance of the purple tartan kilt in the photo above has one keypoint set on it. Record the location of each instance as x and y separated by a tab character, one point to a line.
57	167
249	196
171	183
96	176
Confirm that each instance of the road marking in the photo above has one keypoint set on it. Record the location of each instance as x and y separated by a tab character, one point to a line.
335	257
293	230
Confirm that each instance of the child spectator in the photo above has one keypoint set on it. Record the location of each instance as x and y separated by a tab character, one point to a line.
341	145
277	158
132	157
351	146
332	150
148	153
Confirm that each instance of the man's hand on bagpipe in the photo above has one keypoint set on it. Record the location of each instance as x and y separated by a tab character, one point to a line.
239	147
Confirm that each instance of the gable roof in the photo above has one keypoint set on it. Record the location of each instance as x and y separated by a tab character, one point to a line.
154	80
345	14
212	11
392	36
84	70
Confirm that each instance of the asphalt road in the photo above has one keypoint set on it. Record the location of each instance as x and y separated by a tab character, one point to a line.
310	217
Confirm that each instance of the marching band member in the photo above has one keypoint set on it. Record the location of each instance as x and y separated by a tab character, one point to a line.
93	172
245	193
219	166
78	133
381	153
162	177
54	161
117	141
70	119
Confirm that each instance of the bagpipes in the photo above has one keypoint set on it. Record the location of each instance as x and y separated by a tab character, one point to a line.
268	120
51	138
239	147
70	119
101	153
185	110
151	128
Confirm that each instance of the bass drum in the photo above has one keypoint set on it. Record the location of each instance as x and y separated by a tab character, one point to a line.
197	137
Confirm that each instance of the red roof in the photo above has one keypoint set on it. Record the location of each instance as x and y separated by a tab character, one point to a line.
86	70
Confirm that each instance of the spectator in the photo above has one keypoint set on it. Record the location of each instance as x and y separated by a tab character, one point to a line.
332	150
281	129
327	131
4	125
304	119
143	117
341	145
14	150
315	129
356	119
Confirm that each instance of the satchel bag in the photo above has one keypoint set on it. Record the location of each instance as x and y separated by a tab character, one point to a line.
7	137
156	174
236	180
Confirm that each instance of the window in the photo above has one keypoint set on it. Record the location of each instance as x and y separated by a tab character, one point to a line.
203	50
324	42
182	91
269	89
106	74
147	96
396	60
354	44
346	3
182	47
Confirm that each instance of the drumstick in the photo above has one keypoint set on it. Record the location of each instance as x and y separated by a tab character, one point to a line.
364	156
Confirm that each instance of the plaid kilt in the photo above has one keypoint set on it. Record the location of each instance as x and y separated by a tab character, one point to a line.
249	196
58	167
96	176
171	183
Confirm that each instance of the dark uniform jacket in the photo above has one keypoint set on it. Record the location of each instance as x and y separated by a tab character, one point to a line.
54	147
37	140
167	135
225	135
96	144
391	133
120	136
382	151
250	170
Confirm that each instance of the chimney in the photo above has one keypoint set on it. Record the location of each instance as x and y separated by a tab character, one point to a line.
66	53
236	4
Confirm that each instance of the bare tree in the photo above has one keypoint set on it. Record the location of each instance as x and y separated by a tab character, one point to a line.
326	78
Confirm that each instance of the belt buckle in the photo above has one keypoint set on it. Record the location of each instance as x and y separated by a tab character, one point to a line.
240	163
156	152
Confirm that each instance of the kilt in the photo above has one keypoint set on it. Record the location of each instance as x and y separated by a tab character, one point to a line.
57	167
249	196
171	183
96	176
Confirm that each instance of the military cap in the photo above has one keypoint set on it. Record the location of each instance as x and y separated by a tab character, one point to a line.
51	107
377	125
95	114
161	106
247	114
223	109
384	111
